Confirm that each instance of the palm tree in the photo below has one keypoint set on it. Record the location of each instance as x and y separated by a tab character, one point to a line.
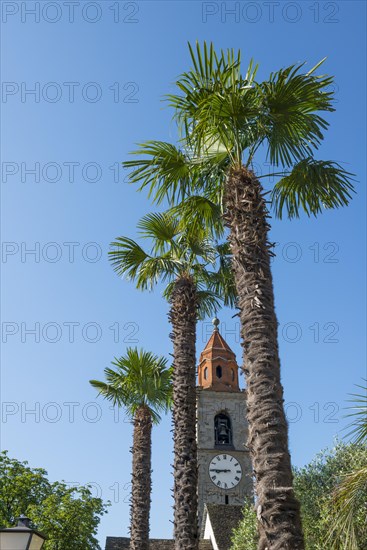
141	384
180	261
225	119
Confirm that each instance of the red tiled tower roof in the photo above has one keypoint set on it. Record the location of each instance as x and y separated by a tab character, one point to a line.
218	369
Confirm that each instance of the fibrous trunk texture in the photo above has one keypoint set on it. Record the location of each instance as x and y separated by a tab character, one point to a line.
278	510
183	317
141	479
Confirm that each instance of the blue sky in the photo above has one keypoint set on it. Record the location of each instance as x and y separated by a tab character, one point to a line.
99	71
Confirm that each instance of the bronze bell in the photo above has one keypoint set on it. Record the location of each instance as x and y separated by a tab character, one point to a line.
222	430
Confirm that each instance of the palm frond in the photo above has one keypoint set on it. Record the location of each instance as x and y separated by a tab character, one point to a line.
161	268
350	495
347	499
289	120
162	228
221	281
166	171
109	392
128	258
199	216
358	427
200	250
312	185
208	303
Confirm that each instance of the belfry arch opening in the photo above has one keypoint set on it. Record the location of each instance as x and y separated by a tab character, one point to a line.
223	430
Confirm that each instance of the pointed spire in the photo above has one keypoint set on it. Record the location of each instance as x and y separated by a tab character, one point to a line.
216	341
218	369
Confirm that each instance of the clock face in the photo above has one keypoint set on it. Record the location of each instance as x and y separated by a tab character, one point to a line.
225	471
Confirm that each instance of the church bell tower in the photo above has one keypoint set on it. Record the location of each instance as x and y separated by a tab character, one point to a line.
223	459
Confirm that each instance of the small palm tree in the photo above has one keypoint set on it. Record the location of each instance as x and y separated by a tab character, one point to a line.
182	262
141	383
226	118
352	489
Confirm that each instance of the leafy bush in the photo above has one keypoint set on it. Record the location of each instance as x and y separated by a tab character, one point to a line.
68	516
315	485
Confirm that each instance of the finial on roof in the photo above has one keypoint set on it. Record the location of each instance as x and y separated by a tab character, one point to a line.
216	323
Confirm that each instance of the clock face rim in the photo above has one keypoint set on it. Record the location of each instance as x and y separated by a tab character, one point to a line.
235	481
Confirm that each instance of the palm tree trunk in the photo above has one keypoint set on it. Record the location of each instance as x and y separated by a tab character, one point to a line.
183	317
141	479
278	510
